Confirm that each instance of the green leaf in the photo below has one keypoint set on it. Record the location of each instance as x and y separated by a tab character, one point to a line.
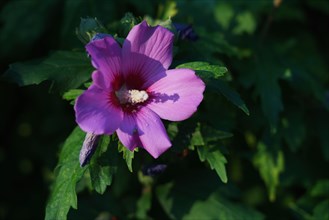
88	28
168	10
294	130
269	166
246	23
72	94
144	203
221	87
197	139
67	70
321	188
63	191
127	23
205	70
211	74
127	155
210	134
224	14
215	159
172	130
321	210
103	165
270	94
184	200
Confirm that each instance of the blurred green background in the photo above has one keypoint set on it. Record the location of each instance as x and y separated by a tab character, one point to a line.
277	54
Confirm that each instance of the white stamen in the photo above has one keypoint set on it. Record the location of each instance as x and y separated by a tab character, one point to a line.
132	96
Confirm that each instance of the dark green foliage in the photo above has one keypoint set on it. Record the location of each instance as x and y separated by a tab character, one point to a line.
268	161
57	68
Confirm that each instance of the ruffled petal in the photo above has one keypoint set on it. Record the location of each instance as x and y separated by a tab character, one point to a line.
97	111
152	133
147	52
127	132
106	57
176	96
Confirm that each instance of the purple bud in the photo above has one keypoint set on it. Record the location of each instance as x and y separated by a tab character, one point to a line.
185	31
154	169
88	148
99	36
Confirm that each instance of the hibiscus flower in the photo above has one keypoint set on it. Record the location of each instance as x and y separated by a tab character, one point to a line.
132	89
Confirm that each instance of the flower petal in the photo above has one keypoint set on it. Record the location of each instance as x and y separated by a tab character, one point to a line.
176	96
127	132
106	57
97	111
101	81
147	51
152	133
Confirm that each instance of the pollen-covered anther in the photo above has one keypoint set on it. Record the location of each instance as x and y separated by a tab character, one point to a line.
132	96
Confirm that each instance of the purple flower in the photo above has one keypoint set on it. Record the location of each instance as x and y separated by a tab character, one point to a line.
133	89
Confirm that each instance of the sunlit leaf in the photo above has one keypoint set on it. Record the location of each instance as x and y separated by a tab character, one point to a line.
205	70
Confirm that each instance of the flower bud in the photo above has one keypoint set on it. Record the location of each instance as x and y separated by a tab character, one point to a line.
88	148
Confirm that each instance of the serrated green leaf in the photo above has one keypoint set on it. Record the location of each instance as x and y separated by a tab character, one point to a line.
67	70
63	191
270	167
103	165
215	159
197	139
127	155
205	70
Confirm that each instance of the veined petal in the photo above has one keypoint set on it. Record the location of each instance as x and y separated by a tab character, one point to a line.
152	133
176	96
127	132
97	111
106	57
147	51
